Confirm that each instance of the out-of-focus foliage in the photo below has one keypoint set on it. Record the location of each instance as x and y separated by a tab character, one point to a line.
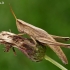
50	15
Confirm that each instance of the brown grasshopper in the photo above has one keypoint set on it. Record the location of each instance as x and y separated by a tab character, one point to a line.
43	37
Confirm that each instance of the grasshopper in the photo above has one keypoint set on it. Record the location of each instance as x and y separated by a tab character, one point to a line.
38	34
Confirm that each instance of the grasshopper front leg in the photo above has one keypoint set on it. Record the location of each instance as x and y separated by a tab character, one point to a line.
21	34
34	40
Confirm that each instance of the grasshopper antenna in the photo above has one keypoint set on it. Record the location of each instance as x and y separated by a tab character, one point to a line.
12	11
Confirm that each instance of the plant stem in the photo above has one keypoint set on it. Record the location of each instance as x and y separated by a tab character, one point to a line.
55	63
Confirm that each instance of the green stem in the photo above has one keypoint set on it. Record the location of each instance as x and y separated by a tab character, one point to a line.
55	63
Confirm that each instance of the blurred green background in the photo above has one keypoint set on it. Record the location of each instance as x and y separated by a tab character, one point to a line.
50	15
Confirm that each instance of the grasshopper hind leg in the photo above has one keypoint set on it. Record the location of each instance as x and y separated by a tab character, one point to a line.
60	38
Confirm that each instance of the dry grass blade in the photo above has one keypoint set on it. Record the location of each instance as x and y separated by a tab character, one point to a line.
27	46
